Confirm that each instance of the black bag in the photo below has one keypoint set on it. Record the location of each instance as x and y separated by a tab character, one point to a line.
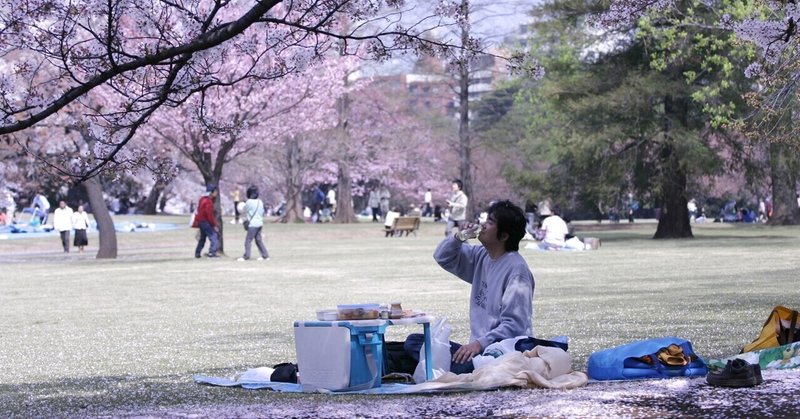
396	359
246	224
529	343
284	373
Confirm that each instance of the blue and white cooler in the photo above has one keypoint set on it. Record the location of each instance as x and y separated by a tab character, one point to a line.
339	355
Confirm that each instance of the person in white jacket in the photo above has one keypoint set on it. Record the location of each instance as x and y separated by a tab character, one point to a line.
62	222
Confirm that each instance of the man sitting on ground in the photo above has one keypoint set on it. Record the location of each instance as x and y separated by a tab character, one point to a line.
502	284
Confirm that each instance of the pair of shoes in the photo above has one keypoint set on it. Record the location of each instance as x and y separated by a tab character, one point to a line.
737	373
262	258
241	260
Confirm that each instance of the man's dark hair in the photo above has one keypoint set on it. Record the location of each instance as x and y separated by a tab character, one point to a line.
459	183
252	192
510	219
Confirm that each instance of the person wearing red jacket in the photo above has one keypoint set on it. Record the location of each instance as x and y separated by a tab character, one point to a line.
206	221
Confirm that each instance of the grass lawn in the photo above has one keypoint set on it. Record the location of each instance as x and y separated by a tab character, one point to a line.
86	337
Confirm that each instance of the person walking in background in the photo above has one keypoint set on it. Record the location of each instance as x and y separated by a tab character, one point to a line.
633	205
374	203
206	221
458	207
427	204
80	222
331	201
62	222
254	220
236	199
317	201
385	195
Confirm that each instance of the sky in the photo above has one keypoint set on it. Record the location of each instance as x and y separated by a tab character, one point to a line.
492	21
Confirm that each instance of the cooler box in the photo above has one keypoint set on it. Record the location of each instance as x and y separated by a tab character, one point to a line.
339	355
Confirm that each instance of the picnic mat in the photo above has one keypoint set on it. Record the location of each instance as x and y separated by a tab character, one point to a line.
541	367
777	358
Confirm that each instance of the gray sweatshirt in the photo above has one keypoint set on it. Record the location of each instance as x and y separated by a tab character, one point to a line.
501	300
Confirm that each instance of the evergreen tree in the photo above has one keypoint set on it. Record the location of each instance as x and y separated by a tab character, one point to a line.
632	111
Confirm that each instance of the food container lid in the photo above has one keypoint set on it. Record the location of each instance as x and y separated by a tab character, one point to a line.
357	306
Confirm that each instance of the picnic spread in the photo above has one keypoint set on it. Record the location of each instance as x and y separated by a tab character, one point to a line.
345	356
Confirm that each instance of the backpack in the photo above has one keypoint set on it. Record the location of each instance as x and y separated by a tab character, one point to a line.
781	328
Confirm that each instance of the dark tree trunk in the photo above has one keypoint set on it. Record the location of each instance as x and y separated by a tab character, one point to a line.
294	184
674	220
107	247
151	202
344	199
784	180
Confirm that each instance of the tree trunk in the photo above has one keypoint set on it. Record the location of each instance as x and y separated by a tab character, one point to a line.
294	184
151	202
784	199
674	220
107	247
464	140
345	213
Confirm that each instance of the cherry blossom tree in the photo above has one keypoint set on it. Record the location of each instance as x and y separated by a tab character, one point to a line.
219	124
154	53
378	139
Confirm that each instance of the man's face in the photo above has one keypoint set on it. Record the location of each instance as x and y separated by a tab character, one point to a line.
62	204
455	187
488	235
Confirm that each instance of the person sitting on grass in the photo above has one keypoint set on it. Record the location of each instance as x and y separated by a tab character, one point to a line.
554	231
502	284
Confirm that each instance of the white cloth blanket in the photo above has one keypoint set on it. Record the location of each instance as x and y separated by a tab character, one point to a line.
540	367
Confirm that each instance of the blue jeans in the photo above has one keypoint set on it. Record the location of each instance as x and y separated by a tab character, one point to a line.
206	230
414	343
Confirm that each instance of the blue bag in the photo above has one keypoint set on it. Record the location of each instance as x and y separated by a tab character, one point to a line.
640	359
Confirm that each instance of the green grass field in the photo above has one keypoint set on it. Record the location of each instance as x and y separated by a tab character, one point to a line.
86	337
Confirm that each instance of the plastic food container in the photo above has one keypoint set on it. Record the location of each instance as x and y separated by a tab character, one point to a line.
328	315
358	311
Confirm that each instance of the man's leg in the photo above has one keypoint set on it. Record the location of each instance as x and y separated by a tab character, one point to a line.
260	244
248	242
201	243
213	237
65	240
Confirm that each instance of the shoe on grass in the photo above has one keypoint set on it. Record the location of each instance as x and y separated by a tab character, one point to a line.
737	373
757	372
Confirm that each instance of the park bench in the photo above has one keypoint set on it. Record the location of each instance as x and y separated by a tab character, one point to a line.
402	224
